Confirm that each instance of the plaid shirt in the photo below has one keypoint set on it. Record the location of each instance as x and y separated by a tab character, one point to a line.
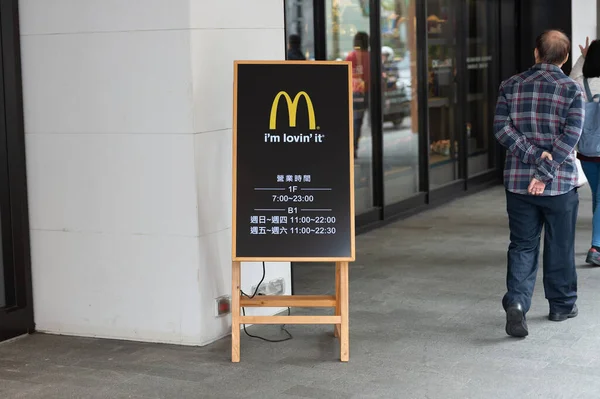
540	110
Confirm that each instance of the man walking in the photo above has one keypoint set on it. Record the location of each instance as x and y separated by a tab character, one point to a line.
539	118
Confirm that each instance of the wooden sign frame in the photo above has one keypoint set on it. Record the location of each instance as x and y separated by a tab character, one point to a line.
339	301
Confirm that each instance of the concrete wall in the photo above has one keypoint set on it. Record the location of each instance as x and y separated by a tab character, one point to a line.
128	130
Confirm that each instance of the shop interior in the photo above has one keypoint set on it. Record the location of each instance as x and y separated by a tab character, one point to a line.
431	87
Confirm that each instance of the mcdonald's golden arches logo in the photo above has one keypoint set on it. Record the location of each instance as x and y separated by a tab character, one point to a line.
292	106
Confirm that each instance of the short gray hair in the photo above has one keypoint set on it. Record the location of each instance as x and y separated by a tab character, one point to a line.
553	47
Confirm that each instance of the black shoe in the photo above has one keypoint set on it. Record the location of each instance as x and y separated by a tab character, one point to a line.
593	257
516	326
564	316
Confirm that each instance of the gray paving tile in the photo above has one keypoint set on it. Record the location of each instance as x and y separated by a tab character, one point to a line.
17	389
304	391
60	391
160	387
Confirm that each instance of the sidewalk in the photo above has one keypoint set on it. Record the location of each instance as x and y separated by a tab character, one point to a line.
426	322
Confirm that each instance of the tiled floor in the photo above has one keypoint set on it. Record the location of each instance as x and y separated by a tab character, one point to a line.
426	322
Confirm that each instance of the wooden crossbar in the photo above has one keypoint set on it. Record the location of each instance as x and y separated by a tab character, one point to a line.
290	301
290	319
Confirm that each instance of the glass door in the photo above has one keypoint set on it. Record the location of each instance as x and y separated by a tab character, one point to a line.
348	32
16	300
444	138
481	98
9	311
2	288
300	29
400	99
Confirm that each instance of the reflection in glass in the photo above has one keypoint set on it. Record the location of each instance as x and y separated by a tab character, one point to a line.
2	280
300	30
479	92
442	92
399	103
348	32
2	289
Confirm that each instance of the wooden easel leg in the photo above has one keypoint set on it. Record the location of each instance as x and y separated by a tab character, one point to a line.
336	328
344	304
235	311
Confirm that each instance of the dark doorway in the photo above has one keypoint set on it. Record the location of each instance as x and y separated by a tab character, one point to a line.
537	16
16	301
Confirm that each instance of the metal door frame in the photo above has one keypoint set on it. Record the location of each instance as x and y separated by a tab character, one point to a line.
17	317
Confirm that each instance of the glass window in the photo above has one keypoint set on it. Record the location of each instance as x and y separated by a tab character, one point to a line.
399	103
348	32
3	287
300	30
480	92
442	88
8	284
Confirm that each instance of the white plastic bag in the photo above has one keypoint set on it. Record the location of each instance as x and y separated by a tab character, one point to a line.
581	179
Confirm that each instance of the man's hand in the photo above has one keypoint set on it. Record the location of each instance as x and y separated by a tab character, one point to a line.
536	187
546	155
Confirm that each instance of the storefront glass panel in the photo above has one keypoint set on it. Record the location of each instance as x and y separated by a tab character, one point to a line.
400	101
300	29
442	91
16	301
480	92
348	32
2	286
7	268
436	84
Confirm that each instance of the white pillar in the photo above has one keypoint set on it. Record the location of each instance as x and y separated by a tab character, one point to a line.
584	24
128	129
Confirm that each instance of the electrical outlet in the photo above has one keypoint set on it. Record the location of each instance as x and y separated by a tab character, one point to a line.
276	286
223	306
262	290
273	287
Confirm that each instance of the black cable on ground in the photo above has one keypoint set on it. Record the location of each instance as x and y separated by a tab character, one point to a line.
289	335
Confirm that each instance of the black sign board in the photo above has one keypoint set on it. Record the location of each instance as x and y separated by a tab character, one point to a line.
293	170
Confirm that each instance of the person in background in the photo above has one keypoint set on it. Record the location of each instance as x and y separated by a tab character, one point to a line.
539	120
587	68
295	48
390	71
359	57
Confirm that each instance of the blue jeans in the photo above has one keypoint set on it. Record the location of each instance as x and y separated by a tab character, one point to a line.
592	174
527	214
